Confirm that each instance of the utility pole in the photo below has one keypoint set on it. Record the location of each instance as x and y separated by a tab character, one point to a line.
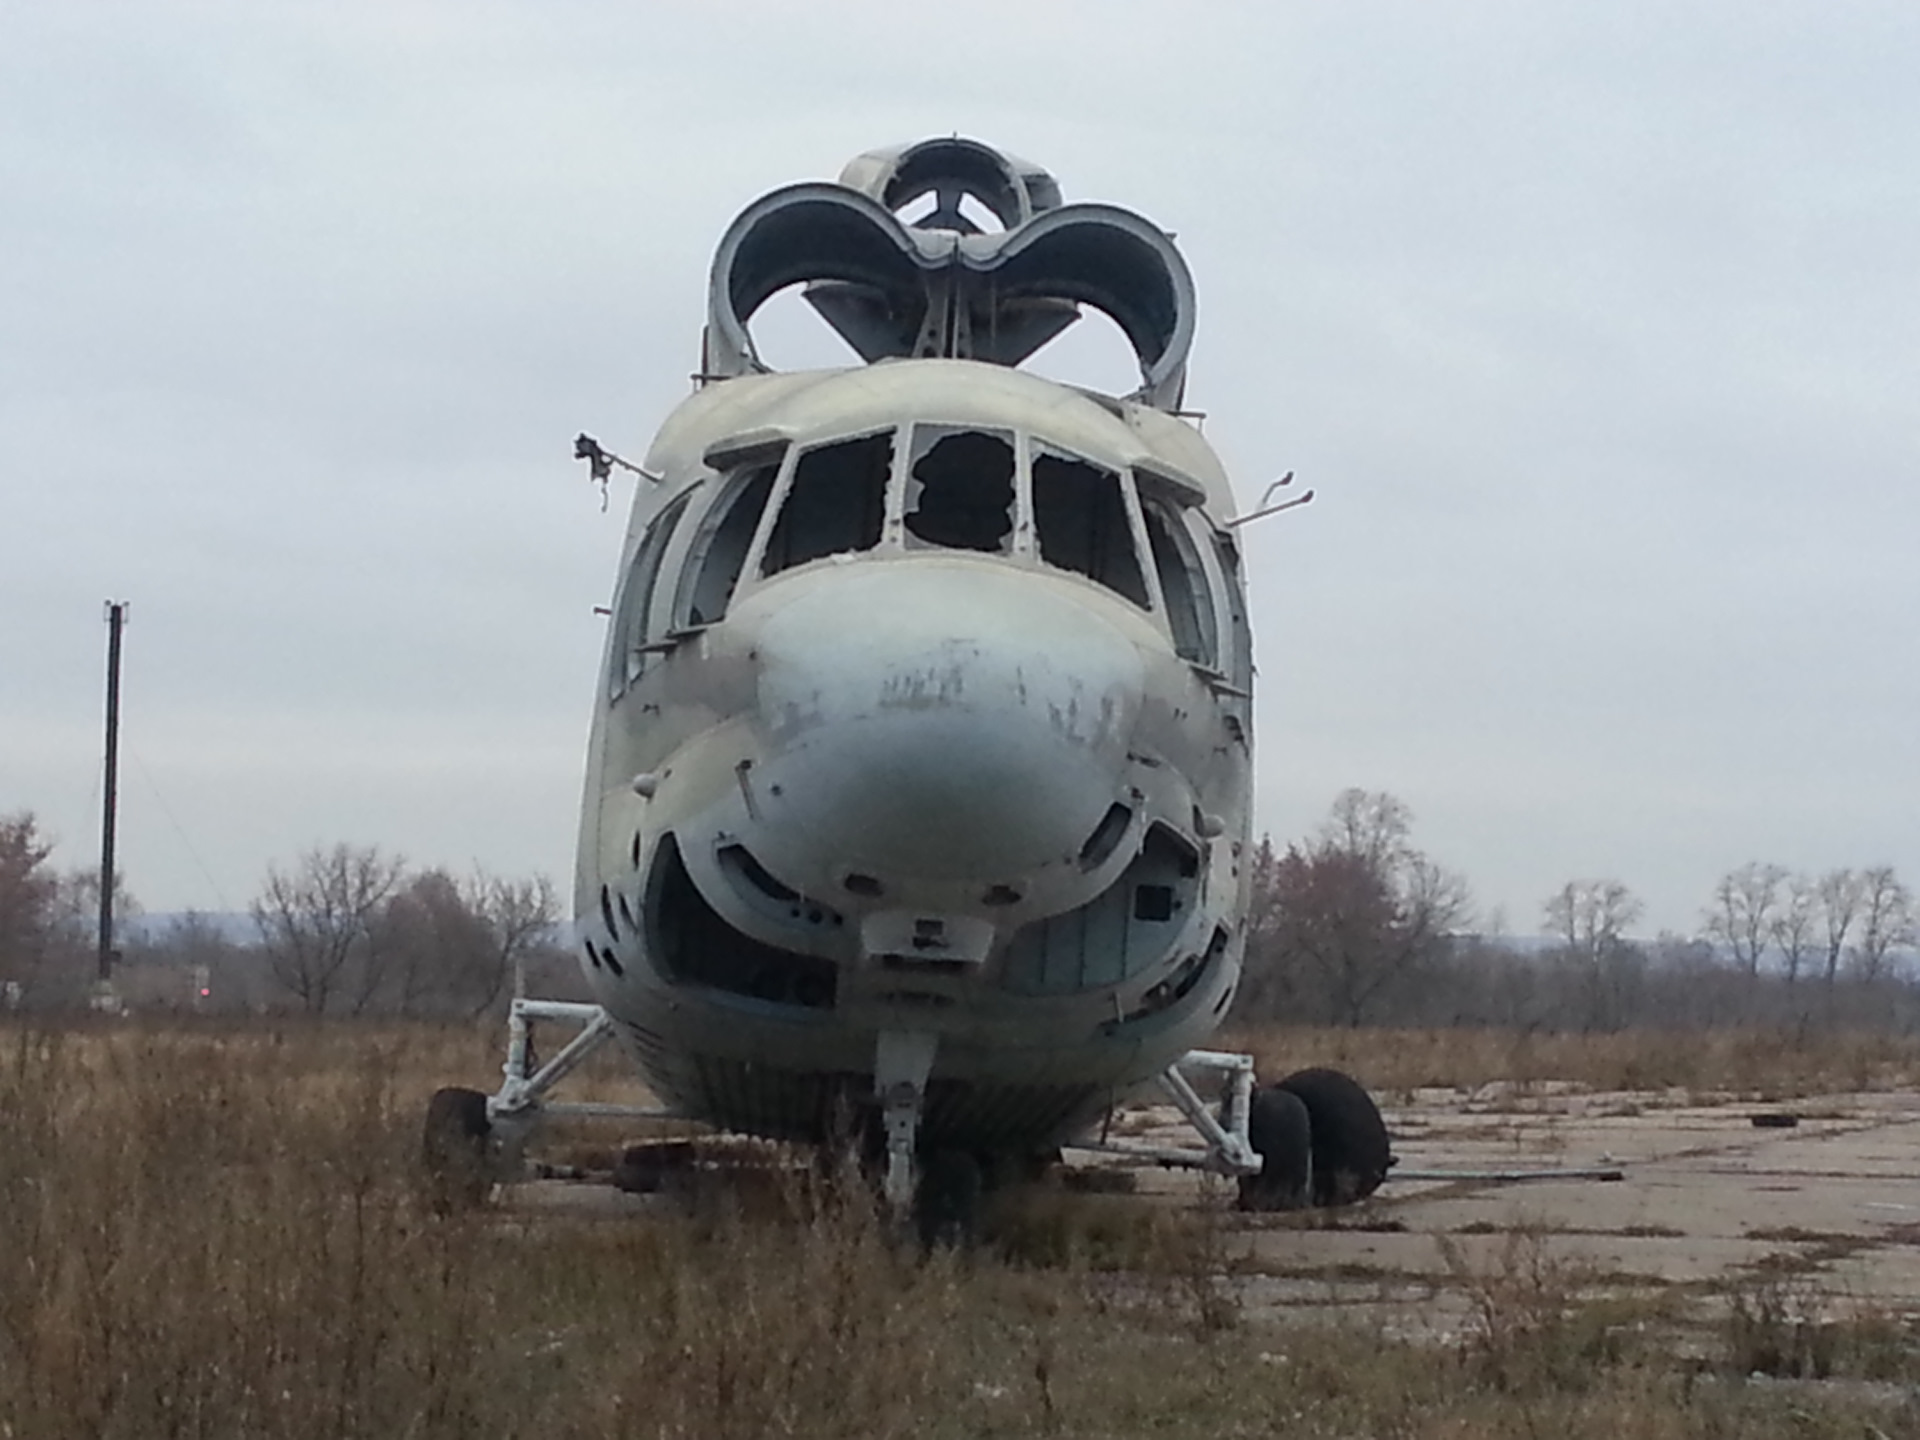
116	622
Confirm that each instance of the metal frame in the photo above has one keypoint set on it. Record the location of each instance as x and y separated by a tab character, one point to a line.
522	1096
1226	1148
902	1062
521	1101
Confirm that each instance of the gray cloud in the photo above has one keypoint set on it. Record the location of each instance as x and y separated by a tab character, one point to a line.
1593	328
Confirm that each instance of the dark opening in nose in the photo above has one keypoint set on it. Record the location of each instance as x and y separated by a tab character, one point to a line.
1100	844
965	499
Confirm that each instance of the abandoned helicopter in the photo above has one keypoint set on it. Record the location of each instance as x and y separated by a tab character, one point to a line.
917	798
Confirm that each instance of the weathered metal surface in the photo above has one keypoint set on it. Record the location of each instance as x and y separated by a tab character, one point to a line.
943	284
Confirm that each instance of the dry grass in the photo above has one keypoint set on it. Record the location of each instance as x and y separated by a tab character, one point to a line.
1780	1324
220	1233
1763	1065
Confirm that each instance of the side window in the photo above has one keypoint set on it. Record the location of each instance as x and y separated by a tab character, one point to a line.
719	549
960	489
627	655
1080	523
1182	581
1240	660
837	502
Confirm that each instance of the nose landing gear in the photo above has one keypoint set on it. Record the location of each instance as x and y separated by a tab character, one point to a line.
902	1060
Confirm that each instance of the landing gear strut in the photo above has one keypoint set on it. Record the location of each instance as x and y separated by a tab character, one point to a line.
472	1140
1315	1138
902	1060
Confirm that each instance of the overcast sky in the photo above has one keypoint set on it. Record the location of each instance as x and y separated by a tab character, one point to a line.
1596	328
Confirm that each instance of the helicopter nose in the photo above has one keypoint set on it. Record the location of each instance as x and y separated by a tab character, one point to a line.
942	719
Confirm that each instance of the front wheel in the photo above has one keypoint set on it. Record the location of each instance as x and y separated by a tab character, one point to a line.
457	1148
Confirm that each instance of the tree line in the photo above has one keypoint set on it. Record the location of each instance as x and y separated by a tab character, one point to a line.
342	930
1354	925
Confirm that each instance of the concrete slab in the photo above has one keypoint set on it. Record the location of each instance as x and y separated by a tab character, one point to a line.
1709	1203
1708	1200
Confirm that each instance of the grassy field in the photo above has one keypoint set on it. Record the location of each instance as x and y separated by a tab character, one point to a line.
1757	1064
221	1232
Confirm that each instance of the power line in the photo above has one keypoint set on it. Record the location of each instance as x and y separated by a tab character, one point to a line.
179	830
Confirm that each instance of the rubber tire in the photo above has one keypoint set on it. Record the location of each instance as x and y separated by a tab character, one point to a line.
946	1204
1351	1149
457	1148
648	1168
1279	1128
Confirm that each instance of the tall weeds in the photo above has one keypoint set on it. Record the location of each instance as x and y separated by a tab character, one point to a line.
221	1233
224	1236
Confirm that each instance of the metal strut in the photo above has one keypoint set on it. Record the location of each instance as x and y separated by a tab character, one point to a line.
1227	1148
902	1060
523	1096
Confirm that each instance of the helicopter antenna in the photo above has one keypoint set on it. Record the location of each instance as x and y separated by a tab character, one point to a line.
1264	509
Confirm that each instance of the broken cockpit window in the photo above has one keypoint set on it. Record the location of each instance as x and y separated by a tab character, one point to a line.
719	548
1240	644
1236	697
1183	581
836	503
960	489
1080	522
628	653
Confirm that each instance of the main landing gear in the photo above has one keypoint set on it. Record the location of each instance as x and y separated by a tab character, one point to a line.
1321	1142
1313	1139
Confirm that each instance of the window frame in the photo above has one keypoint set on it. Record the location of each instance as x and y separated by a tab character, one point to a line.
1238	666
1019	512
734	484
631	643
1166	501
1033	447
754	572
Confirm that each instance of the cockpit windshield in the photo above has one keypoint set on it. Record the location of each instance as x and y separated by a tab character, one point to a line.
960	490
994	492
836	503
1080	522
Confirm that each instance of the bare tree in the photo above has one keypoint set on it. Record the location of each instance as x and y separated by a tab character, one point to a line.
29	896
1886	921
424	941
1343	922
1591	918
1370	825
447	946
1792	927
520	916
316	925
77	908
1745	904
1266	988
1841	895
